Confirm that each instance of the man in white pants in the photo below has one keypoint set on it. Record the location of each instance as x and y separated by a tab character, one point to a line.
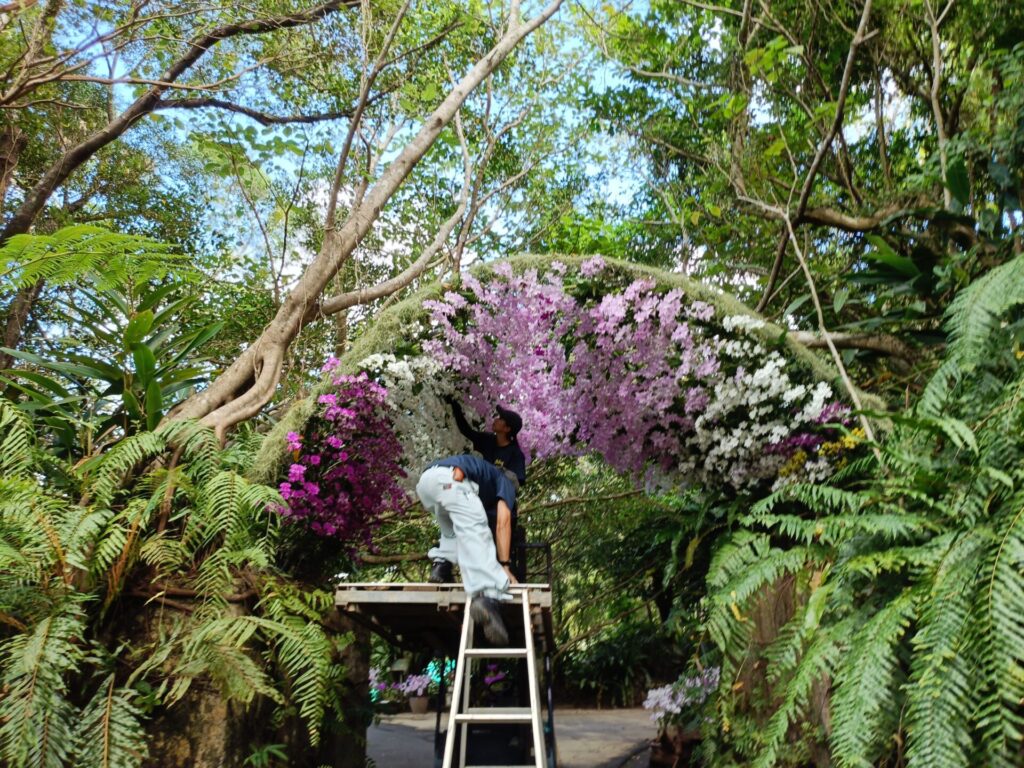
456	490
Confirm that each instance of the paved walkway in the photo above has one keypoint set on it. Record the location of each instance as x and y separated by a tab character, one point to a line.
587	738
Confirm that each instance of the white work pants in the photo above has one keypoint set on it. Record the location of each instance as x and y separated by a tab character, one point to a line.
465	536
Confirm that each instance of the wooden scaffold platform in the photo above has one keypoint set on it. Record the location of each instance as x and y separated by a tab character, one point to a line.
432	617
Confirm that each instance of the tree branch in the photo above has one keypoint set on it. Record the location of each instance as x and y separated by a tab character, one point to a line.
361	103
36	198
250	381
330	306
935	94
872	342
263	118
823	147
57	174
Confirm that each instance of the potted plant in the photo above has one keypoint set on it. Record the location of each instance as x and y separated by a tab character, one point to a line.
386	697
677	710
415	687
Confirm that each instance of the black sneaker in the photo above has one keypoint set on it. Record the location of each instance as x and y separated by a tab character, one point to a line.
485	612
441	572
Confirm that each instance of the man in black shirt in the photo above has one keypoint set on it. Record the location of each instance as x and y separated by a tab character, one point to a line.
461	491
498	447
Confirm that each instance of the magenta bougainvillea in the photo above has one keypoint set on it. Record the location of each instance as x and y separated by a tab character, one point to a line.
345	471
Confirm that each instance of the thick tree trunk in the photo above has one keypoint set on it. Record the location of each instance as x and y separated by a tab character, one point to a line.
342	745
17	317
12	142
202	731
775	606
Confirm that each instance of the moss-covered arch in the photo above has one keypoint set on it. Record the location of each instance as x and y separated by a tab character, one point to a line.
391	328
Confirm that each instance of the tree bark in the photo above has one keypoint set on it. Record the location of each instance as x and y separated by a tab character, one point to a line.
249	383
17	317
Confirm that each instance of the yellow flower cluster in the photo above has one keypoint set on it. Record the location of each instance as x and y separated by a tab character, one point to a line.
845	443
827	450
793	464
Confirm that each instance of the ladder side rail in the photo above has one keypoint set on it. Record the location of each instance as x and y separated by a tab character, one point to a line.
531	672
460	670
442	691
550	696
467	686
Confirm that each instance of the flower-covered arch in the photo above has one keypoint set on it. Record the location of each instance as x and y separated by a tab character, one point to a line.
669	381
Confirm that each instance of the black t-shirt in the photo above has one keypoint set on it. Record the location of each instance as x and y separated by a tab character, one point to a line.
486	443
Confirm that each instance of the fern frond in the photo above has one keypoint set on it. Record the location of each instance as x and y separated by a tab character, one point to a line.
217	649
37	719
814	496
833	529
974	314
816	664
201	451
109	732
17	441
865	705
942	693
110	259
306	653
1002	642
126	455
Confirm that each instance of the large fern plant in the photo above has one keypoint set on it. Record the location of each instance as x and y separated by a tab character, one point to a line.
903	579
165	526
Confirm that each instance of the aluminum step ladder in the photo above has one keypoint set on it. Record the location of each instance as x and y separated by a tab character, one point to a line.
462	714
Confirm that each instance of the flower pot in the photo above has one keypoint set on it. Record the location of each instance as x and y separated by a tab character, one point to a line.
388	707
418	704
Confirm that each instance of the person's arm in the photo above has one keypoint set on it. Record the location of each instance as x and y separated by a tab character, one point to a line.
506	493
503	539
475	437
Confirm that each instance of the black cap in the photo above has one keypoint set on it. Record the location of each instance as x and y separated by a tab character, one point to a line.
513	419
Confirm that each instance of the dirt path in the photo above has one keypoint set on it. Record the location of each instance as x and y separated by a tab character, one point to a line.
587	738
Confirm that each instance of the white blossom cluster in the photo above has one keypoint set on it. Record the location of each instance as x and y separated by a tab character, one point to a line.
424	423
757	406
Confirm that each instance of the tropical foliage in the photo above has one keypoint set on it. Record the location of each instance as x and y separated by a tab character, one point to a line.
187	550
203	202
905	572
345	474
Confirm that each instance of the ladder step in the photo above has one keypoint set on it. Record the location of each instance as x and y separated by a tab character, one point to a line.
495	715
500	710
497	653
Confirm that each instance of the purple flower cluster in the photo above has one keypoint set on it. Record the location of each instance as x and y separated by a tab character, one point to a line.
655	381
494	675
346	470
634	362
415	685
510	353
